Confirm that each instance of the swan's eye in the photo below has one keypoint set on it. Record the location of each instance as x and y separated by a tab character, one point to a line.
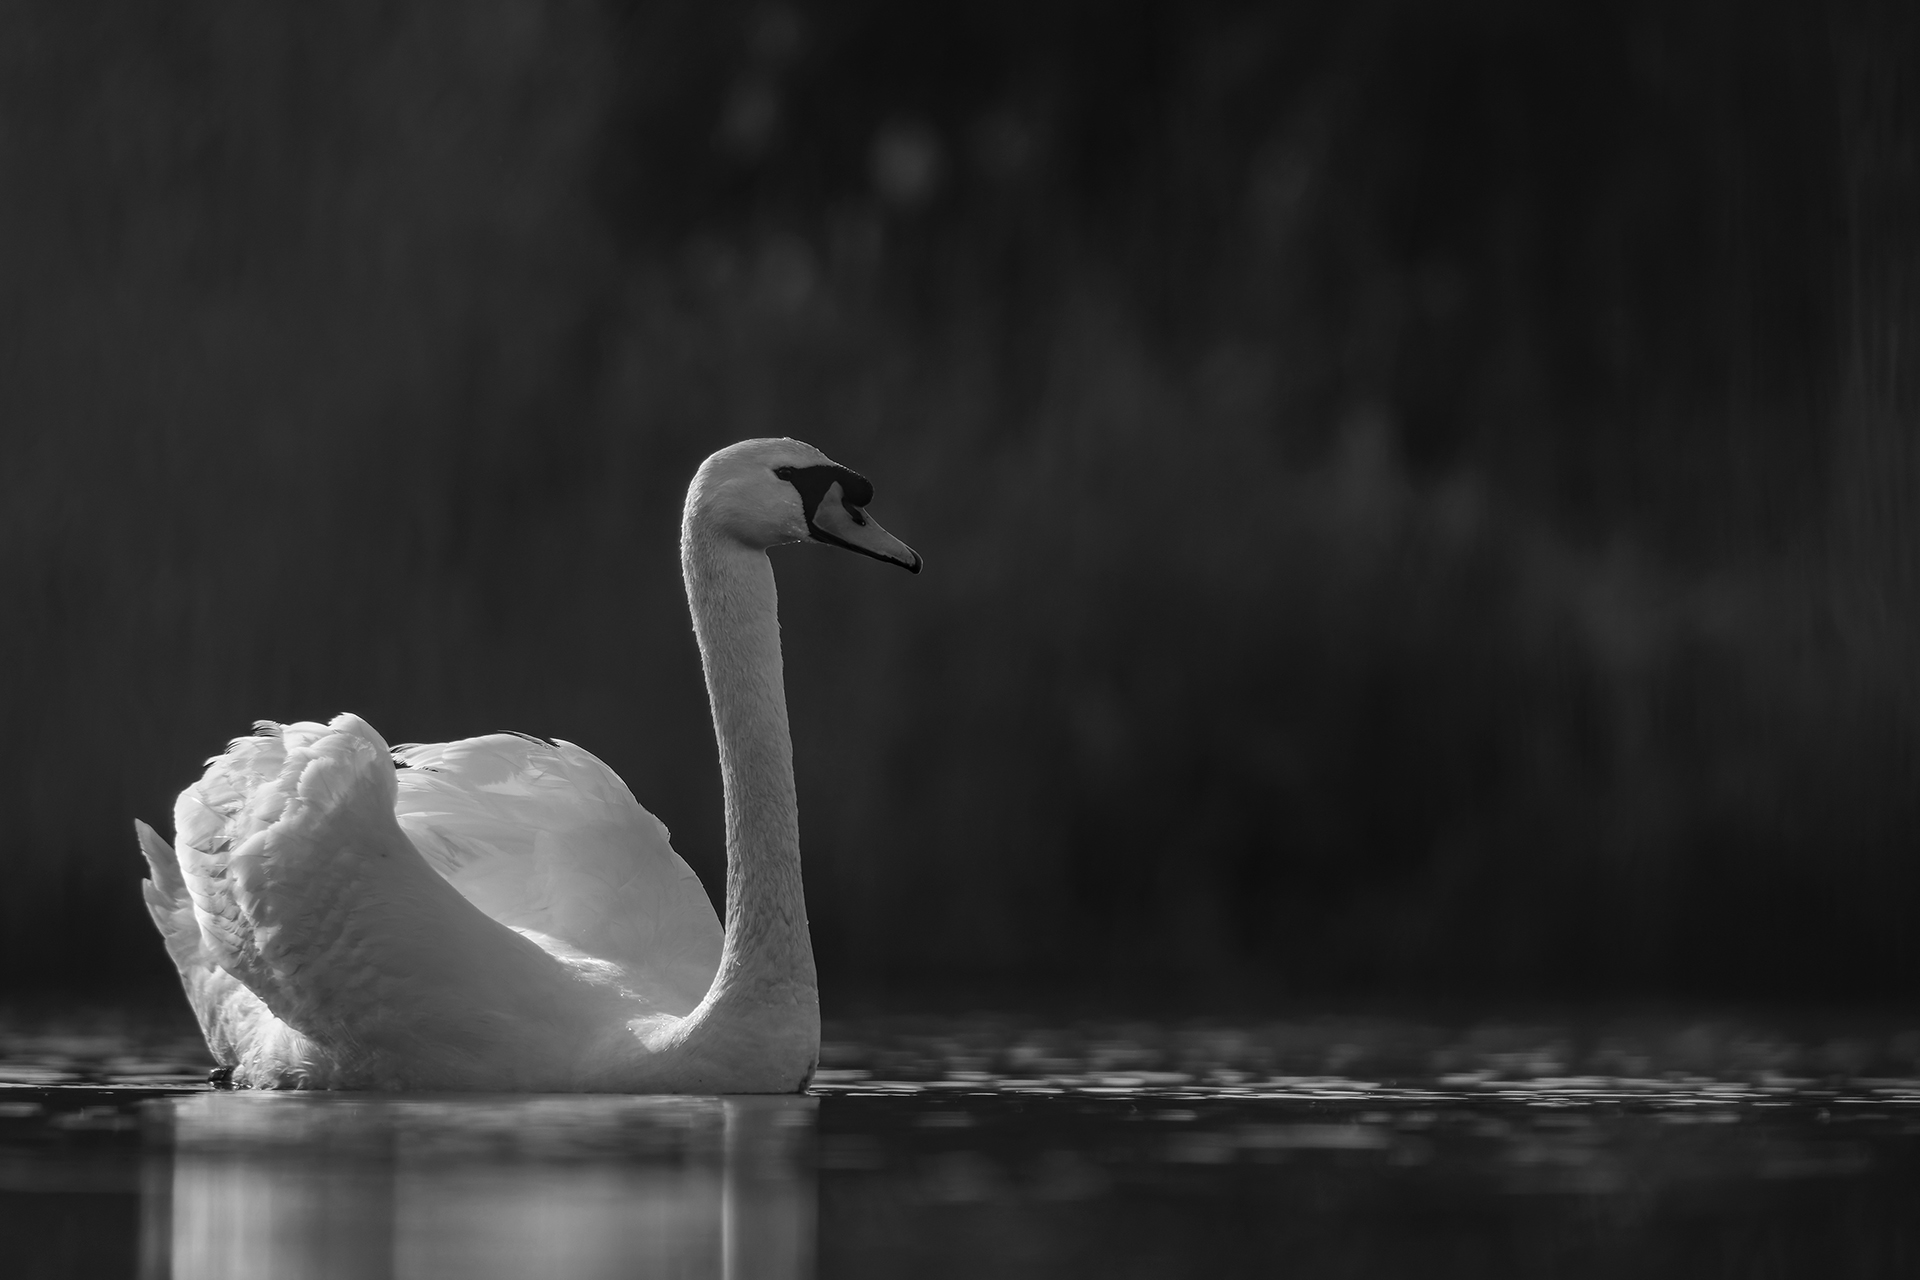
813	483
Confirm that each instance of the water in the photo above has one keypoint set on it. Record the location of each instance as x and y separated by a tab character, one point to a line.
989	1147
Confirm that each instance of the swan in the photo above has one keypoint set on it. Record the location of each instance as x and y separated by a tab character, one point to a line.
500	913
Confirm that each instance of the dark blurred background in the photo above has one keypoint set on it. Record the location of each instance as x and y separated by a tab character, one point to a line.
1419	499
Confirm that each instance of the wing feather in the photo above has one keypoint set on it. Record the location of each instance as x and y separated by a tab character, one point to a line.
304	888
545	838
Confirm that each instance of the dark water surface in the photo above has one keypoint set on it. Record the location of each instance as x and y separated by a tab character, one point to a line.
989	1147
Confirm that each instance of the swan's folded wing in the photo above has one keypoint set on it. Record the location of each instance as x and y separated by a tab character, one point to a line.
547	839
305	889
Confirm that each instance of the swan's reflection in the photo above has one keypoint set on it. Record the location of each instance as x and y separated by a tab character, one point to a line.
310	1185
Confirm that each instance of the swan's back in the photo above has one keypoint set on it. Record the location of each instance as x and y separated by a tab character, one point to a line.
548	840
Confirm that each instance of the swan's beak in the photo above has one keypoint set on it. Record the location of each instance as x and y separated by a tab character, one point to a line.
840	525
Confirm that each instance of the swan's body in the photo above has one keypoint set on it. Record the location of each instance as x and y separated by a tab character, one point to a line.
500	913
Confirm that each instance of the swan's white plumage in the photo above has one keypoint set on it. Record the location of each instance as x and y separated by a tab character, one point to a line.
304	888
545	838
448	911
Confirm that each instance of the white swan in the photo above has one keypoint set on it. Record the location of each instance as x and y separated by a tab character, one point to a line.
500	913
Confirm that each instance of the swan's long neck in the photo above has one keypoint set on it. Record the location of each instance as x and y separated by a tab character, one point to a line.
767	959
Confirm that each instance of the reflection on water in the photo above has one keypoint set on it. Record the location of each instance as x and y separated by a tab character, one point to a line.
1046	1153
310	1185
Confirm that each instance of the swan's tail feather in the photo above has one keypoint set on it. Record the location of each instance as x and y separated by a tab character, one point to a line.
163	863
218	1001
168	901
231	1017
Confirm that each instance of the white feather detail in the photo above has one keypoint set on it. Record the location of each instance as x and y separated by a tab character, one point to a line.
547	839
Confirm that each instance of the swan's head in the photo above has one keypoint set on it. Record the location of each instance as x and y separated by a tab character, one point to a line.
767	492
